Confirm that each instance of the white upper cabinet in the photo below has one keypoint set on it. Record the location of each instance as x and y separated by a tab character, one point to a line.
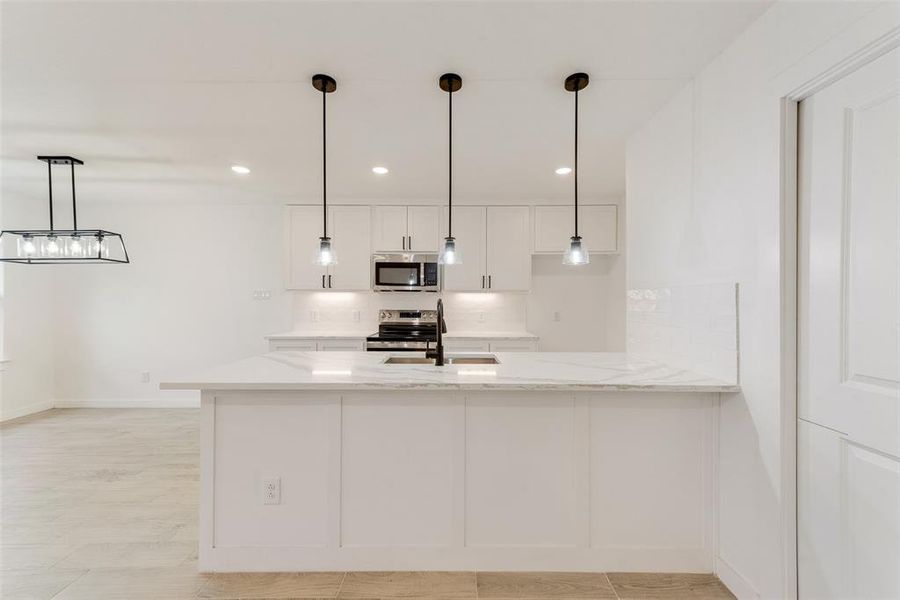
469	229
508	248
350	229
423	231
303	226
495	246
597	225
351	235
389	228
405	228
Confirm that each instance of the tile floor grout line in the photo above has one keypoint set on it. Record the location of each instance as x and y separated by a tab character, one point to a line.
611	586
341	585
56	595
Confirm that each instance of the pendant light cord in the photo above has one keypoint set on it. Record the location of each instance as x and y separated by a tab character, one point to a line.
74	212
450	167
576	162
50	187
324	171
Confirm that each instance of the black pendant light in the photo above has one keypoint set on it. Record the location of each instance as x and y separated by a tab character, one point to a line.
325	256
577	254
61	246
450	82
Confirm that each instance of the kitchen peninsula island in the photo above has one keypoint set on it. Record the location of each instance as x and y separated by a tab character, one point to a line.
544	461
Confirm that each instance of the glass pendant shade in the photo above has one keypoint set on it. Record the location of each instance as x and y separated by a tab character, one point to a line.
449	254
325	256
577	254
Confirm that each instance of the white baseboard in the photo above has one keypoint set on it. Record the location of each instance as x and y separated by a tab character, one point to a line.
28	409
129	403
734	581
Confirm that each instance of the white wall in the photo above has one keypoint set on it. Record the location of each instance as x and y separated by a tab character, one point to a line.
185	302
704	199
26	321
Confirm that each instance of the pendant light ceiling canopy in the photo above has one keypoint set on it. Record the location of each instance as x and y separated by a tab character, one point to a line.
450	82
62	246
577	253
325	256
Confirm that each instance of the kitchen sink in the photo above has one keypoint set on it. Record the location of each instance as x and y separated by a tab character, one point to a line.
489	359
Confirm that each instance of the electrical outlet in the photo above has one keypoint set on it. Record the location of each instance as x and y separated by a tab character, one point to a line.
271	489
481	317
314	316
145	377
356	316
557	316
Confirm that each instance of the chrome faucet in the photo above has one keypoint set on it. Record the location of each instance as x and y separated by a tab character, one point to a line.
438	353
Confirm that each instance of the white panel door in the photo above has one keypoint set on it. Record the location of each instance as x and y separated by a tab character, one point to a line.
554	225
423	230
849	337
389	225
509	248
303	226
469	231
350	229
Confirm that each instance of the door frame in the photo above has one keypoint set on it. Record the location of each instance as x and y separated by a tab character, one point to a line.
790	271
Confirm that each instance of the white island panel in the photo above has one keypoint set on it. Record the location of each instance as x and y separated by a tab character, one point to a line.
261	438
399	470
520	470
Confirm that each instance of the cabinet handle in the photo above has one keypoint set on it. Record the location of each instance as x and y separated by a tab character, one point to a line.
489	281
482	282
323	280
410	242
329	281
404	242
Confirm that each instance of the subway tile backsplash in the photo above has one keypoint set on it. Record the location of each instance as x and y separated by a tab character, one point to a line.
354	311
691	326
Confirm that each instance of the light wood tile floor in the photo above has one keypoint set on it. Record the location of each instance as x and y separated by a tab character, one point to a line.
100	504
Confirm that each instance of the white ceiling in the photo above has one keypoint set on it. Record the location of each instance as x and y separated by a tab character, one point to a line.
159	99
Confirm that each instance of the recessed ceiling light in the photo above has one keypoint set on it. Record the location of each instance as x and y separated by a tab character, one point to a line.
380	170
564	170
240	169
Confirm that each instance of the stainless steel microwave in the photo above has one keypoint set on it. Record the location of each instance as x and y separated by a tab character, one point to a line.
406	272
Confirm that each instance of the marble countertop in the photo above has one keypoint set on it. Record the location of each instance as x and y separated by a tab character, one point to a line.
452	335
584	371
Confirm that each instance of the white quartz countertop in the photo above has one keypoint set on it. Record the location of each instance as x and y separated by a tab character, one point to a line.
583	371
453	335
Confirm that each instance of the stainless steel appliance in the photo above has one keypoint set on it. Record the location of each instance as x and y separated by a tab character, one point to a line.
404	331
406	272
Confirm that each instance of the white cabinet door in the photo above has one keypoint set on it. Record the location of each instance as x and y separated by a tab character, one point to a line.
514	346
553	226
350	229
341	345
295	345
508	248
469	231
597	225
389	228
303	226
423	228
848	459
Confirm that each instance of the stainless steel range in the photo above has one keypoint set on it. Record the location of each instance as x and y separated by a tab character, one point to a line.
404	331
